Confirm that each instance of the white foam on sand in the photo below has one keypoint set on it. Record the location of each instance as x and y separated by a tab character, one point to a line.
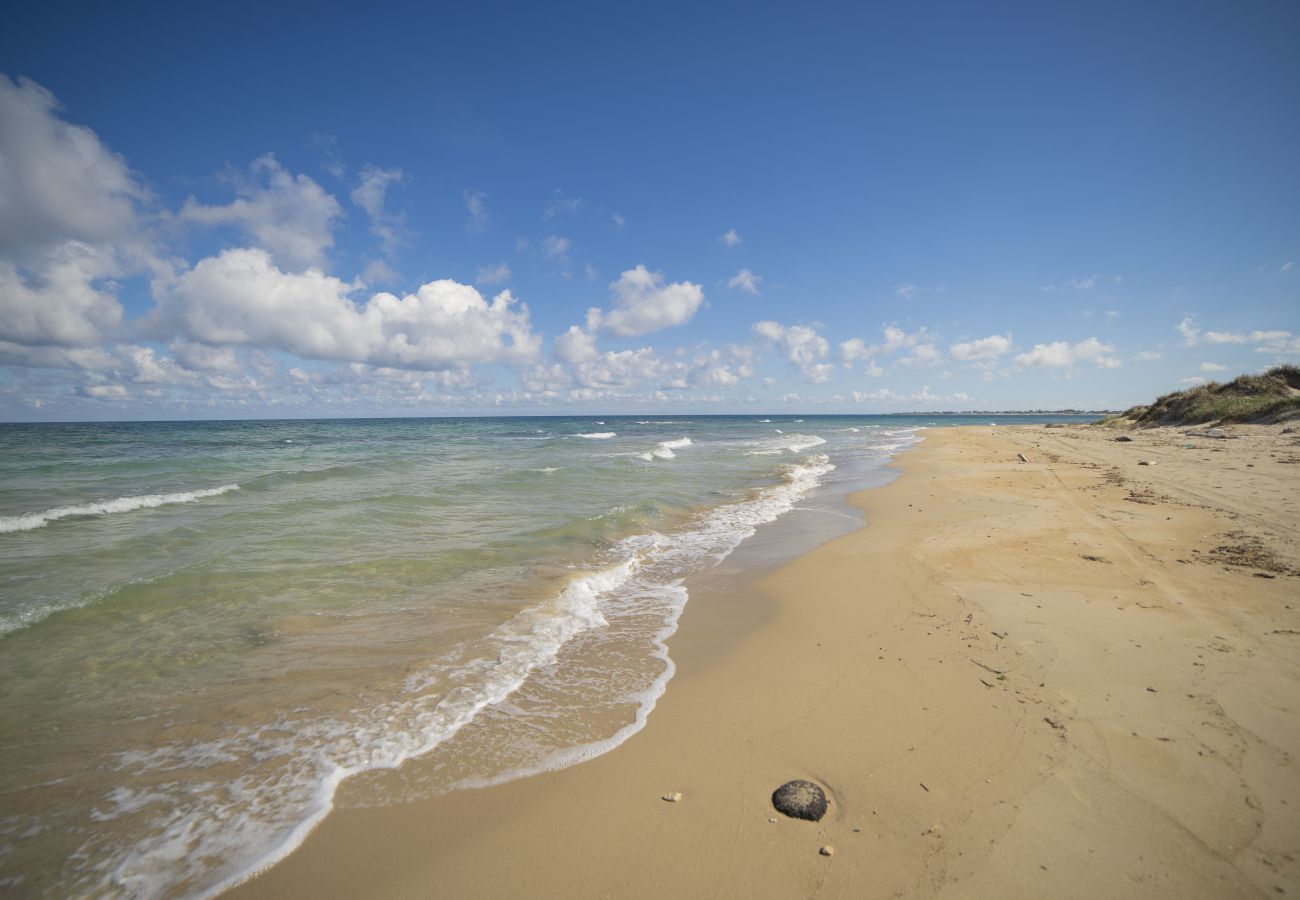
209	837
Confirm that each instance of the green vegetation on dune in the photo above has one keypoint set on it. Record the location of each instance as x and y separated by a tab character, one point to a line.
1269	397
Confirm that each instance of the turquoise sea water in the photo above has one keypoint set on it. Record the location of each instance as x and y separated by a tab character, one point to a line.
206	627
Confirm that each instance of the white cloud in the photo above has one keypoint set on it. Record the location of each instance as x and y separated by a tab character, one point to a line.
369	194
923	355
624	368
57	181
72	220
327	145
1193	380
802	346
1287	266
1061	354
895	339
103	391
924	395
1254	337
576	346
986	349
556	247
907	291
240	298
618	220
499	273
1190	331
290	216
1111	315
730	238
477	222
746	281
61	305
561	205
643	303
378	271
1148	355
1213	367
1082	284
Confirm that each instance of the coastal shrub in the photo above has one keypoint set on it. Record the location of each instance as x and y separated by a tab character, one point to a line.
1247	398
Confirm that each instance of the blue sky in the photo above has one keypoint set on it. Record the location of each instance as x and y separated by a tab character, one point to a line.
233	210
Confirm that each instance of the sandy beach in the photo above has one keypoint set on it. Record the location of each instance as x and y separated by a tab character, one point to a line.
1069	676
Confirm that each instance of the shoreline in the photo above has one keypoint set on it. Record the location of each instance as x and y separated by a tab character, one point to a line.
946	672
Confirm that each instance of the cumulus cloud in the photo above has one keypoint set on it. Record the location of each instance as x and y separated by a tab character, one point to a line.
644	303
61	306
1275	341
72	222
647	367
1062	354
895	339
241	298
476	208
802	346
1213	367
576	346
746	281
987	349
730	238
57	181
923	355
369	194
291	216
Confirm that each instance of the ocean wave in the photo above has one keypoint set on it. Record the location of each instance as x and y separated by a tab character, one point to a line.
247	824
599	435
666	449
788	443
105	507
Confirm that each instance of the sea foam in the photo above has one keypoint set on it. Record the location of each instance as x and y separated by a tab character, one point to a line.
105	507
249	824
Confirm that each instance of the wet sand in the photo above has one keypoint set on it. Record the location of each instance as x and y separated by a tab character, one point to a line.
1073	676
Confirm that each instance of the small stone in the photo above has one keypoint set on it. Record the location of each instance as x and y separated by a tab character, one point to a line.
800	800
673	797
1145	462
772	819
828	850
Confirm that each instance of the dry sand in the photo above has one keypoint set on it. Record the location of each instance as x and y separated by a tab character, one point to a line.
1021	679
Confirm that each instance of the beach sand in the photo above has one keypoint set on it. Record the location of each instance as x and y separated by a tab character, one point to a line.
1020	679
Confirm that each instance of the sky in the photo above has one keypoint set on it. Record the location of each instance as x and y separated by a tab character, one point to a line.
245	210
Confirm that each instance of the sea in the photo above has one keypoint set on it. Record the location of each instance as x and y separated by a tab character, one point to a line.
207	627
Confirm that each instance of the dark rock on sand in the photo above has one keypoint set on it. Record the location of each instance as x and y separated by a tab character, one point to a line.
800	800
